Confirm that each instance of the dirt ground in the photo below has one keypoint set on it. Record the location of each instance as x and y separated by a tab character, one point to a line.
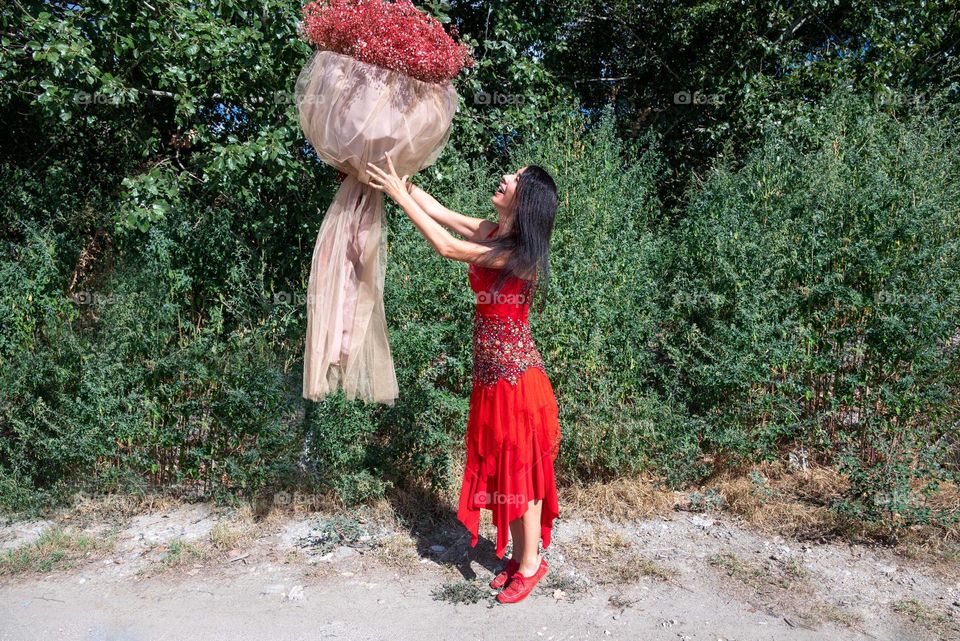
183	571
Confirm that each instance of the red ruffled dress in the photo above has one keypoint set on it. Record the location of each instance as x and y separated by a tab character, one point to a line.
513	428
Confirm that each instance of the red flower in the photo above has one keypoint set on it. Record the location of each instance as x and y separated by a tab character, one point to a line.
394	35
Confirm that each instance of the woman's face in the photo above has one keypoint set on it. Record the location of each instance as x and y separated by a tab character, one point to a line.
503	196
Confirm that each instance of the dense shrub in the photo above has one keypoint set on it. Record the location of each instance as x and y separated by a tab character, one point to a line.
125	385
815	293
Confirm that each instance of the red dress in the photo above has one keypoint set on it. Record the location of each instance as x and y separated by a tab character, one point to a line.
513	427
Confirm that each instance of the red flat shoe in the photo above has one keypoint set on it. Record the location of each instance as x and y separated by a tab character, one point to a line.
501	578
520	586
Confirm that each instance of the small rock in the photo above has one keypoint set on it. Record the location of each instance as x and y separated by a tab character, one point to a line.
888	569
437	548
701	522
339	553
296	593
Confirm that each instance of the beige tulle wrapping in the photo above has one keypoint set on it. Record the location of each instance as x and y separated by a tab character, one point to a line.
352	113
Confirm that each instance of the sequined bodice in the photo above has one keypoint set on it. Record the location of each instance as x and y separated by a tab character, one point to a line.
503	347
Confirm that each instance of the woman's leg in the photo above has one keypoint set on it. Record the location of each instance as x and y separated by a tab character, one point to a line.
529	555
516	533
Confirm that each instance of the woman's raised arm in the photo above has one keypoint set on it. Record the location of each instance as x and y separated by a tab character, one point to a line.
468	227
443	242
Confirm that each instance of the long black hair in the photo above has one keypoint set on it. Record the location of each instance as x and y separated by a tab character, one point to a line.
533	210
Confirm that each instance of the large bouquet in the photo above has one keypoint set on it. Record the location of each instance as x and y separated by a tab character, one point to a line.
379	82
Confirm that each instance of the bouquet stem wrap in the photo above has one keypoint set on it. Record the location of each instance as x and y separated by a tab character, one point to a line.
353	113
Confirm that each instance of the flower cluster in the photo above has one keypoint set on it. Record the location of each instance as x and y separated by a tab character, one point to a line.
394	35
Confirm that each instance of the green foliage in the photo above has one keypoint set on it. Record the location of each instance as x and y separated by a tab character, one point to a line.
711	74
126	378
815	294
505	94
603	306
159	206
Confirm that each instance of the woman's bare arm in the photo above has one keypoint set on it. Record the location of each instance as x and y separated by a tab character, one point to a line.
444	243
468	227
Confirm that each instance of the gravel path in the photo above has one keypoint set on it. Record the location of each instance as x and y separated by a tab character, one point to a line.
316	576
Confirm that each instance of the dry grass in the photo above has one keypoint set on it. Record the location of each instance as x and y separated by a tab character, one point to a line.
398	551
836	614
294	557
89	511
620	501
566	587
57	548
416	508
462	591
113	507
610	558
227	539
926	617
741	570
782	587
769	497
229	536
788	576
772	499
178	553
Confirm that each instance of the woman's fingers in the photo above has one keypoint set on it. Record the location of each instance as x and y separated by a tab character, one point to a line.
377	181
383	181
379	170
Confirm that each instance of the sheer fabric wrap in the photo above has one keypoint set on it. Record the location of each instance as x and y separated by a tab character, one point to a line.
353	113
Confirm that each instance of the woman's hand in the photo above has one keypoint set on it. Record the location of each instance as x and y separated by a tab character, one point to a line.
388	182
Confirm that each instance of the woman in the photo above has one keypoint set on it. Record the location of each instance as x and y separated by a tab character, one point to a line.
513	429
